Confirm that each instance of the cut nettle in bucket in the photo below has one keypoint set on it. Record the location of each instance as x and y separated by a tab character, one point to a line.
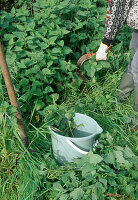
61	119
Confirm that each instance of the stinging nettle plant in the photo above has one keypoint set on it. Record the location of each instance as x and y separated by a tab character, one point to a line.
43	42
60	119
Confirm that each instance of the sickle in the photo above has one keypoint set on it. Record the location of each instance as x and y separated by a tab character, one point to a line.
81	60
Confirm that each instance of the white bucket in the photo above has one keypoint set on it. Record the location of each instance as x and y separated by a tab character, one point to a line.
66	149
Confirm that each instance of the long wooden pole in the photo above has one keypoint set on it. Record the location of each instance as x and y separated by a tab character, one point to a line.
12	97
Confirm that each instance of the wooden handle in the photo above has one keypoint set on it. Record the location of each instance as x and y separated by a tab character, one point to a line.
12	97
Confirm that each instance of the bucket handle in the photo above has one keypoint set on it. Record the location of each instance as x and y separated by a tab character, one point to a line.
75	147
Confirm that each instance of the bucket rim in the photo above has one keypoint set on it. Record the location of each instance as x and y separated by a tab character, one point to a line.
75	138
99	131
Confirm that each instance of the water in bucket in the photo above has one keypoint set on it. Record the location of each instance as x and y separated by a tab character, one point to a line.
66	149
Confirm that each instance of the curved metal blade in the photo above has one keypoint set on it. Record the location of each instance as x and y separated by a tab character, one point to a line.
81	60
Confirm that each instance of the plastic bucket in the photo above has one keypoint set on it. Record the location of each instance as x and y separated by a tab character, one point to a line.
66	149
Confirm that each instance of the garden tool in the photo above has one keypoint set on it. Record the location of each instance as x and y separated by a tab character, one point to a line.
101	54
12	97
81	60
126	86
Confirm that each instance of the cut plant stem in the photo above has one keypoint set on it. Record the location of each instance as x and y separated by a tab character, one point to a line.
70	128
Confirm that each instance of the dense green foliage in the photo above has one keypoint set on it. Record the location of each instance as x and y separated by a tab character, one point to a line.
42	41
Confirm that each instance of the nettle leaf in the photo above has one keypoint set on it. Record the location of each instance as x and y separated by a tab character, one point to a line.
134	174
128	152
119	148
64	31
33	70
46	71
130	190
16	48
55	97
64	197
20	27
49	63
119	158
7	37
99	67
11	110
32	46
43	45
63	4
39	105
10	58
24	81
80	162
61	43
103	181
95	44
90	67
48	89
52	108
104	64
109	158
77	194
111	181
23	11
19	34
94	193
52	40
57	187
13	11
11	42
117	47
90	70
67	50
94	158
88	168
11	121
109	137
56	50
81	13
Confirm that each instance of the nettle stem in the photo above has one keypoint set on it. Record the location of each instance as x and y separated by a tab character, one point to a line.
70	128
